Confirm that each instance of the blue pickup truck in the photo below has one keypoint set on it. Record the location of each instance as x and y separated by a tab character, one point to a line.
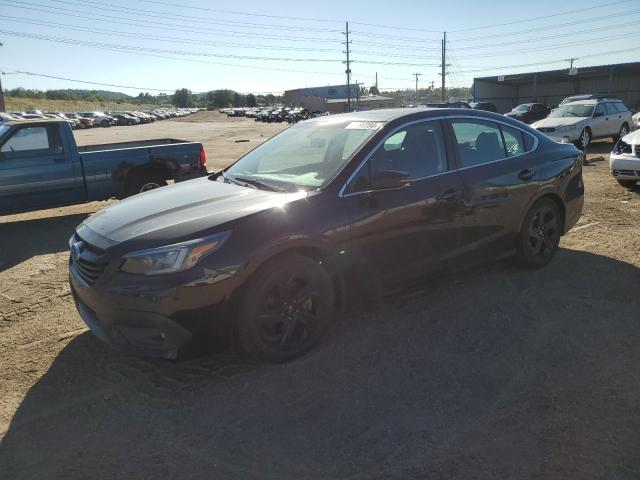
42	167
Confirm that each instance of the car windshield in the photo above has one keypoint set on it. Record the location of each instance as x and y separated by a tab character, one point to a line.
522	108
308	154
572	111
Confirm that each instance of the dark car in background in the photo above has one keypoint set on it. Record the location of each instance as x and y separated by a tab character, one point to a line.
486	106
262	253
529	112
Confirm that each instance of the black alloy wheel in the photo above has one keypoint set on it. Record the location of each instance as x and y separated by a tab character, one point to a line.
285	308
540	235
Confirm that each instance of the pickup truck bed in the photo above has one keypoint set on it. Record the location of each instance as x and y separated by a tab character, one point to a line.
42	167
133	144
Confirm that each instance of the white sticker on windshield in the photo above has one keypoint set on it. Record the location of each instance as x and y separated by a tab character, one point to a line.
364	126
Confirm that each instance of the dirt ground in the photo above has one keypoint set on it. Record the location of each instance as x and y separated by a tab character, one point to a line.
493	373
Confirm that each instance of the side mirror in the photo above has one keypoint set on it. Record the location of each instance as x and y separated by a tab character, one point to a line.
598	114
390	180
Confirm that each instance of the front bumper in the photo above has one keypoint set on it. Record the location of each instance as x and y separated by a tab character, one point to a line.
162	316
625	166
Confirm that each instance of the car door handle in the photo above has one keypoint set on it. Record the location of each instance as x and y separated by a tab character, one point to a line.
526	174
449	195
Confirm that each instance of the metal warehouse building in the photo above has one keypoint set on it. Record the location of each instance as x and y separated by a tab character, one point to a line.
333	98
506	91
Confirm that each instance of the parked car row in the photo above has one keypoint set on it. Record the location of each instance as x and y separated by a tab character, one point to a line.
272	114
78	120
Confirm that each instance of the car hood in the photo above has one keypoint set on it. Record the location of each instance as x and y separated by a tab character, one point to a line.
182	209
632	138
558	122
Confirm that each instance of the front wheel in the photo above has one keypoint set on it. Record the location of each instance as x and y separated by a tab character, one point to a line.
285	308
584	140
539	236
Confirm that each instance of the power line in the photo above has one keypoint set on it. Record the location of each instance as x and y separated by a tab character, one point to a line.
554	47
156	14
598	18
121	47
161	38
165	26
549	62
88	43
531	19
236	12
88	82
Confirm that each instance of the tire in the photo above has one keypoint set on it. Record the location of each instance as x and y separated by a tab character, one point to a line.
624	129
538	240
105	124
285	309
584	140
628	183
143	182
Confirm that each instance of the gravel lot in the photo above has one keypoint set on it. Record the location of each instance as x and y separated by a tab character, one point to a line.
492	373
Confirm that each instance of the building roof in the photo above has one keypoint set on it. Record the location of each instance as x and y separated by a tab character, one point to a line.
632	68
366	98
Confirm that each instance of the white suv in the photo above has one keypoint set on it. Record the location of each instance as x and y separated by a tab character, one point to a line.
582	121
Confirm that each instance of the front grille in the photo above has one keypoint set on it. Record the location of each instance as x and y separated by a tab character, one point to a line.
546	129
88	261
626	173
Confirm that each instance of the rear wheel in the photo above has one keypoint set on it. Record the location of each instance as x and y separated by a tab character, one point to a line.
628	183
285	309
143	182
539	237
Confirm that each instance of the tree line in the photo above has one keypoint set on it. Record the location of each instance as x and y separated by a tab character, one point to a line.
222	98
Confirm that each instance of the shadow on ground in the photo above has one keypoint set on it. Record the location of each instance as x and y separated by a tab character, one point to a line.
24	239
492	373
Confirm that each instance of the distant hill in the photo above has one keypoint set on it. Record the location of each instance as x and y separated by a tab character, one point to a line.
106	94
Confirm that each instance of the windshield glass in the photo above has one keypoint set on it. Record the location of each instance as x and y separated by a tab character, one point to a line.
308	154
3	129
572	111
521	108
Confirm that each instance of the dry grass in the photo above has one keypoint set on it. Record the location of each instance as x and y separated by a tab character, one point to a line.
21	104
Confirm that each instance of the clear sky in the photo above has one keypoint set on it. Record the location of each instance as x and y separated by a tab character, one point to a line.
271	46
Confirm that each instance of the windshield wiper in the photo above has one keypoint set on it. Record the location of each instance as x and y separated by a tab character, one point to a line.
258	184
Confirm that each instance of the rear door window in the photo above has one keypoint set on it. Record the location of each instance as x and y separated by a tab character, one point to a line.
513	141
611	109
478	142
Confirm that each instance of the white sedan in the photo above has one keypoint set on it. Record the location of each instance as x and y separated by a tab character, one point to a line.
625	159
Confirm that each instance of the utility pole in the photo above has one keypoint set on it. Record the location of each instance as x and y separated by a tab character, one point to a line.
376	80
348	62
444	63
2	106
571	60
417	75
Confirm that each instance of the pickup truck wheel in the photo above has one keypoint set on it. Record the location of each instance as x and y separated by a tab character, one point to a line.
628	183
285	308
143	182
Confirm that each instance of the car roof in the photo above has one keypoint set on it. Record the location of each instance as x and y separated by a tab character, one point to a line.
387	114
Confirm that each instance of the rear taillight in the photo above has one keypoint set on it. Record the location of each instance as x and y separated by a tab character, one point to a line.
203	158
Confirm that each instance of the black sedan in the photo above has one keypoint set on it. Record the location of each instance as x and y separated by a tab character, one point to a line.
331	209
529	112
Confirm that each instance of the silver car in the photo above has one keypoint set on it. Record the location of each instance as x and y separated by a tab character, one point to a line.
585	120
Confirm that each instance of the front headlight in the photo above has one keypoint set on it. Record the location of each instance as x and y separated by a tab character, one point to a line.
566	128
172	258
